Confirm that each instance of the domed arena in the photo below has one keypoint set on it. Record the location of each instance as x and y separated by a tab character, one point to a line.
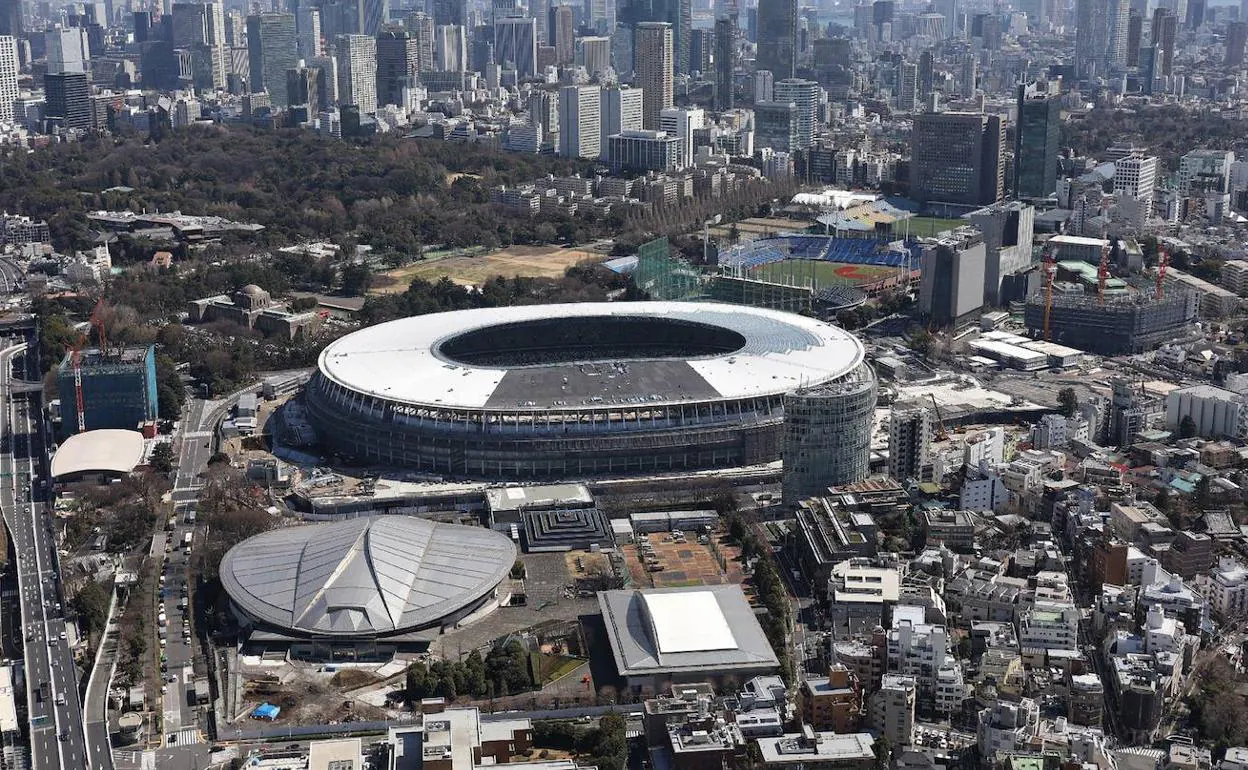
371	578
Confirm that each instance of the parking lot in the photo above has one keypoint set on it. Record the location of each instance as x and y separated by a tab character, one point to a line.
672	563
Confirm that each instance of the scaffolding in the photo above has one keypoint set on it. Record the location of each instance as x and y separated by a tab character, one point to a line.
1131	323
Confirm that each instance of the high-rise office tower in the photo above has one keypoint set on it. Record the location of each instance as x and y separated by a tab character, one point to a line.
8	76
621	111
235	30
775	126
68	50
725	61
951	289
907	86
1008	229
328	81
1150	67
420	27
654	70
804	94
1135	36
303	88
777	37
199	28
372	15
1135	176
561	33
968	80
1165	29
505	9
681	122
515	44
1236	41
271	51
594	54
927	73
580	121
450	12
957	158
882	12
308	27
701	50
1195	14
1037	141
11	18
357	72
832	61
600	15
909	444
678	13
1100	37
949	9
398	65
67	100
142	23
450	49
764	83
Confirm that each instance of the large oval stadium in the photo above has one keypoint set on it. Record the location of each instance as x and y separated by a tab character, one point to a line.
576	390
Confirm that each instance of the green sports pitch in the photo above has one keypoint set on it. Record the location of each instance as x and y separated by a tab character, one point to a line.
819	273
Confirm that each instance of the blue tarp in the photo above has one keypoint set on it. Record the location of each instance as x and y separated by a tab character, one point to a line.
266	711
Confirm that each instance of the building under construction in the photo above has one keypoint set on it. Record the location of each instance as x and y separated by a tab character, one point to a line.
1132	322
118	389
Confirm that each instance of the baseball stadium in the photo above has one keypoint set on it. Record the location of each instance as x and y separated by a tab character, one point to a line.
575	390
822	262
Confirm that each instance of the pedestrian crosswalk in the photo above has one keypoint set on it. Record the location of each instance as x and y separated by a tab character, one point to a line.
184	737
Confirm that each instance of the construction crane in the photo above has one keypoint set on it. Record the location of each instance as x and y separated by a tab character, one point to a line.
75	356
97	323
1102	274
1050	272
1163	261
941	433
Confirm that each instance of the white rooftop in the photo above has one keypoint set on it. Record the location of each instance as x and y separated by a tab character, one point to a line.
688	622
106	450
1077	240
401	361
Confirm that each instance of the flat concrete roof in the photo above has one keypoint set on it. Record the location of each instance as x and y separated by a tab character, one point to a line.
98	451
649	634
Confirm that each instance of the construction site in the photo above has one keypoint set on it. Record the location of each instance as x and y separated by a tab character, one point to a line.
1130	323
1131	319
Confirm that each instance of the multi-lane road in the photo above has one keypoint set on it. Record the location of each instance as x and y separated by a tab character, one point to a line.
57	738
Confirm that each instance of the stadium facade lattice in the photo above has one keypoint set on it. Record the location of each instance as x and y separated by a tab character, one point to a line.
582	390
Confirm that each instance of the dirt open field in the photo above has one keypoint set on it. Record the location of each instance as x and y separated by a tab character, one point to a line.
526	261
684	564
757	227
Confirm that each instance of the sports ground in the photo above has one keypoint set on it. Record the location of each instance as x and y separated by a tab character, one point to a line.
820	273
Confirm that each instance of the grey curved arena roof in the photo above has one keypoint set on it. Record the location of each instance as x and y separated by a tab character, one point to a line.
372	576
400	361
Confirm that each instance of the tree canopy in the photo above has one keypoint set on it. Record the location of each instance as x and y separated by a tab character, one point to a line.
393	193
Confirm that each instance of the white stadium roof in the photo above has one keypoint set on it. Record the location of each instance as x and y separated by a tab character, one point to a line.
364	577
400	362
98	451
